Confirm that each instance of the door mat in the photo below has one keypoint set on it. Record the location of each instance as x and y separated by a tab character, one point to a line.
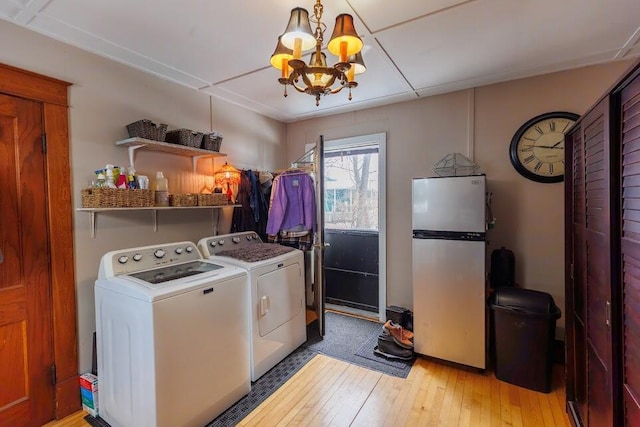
260	390
351	339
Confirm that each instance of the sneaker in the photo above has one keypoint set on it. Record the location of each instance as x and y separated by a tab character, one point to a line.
398	335
388	348
407	333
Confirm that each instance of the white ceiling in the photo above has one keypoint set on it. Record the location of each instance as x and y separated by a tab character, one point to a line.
412	48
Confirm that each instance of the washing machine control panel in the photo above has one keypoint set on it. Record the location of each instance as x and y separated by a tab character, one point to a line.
129	261
216	244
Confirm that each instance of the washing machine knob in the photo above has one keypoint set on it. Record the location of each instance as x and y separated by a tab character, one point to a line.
236	240
213	243
137	257
159	253
178	251
249	237
123	259
189	249
221	242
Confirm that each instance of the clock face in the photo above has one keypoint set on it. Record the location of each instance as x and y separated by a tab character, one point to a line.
537	148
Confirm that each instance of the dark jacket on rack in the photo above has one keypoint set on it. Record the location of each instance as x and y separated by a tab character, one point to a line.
252	215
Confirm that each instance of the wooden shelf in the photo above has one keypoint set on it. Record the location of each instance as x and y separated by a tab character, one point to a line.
154	213
134	144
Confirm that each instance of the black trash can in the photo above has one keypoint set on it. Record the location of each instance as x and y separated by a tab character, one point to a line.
524	324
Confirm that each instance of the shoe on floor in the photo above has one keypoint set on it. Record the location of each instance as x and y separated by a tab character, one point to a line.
388	348
397	333
406	333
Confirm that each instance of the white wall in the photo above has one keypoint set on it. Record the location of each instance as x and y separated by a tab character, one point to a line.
480	124
104	97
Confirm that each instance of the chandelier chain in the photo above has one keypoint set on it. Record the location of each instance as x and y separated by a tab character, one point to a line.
318	9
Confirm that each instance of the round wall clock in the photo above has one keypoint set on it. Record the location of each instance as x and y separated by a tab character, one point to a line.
537	148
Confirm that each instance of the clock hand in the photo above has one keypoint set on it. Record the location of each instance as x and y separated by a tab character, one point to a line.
557	143
549	146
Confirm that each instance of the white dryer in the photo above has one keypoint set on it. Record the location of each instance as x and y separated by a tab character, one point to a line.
277	302
172	336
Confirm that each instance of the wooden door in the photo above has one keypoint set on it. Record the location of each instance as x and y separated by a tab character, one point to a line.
26	340
597	260
630	248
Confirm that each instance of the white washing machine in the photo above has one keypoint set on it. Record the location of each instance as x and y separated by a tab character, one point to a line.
172	336
277	304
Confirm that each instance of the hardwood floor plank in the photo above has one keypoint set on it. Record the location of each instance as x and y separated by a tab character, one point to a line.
349	401
475	399
530	408
505	403
483	388
279	403
382	398
456	404
447	400
467	398
321	404
421	404
308	400
332	392
402	406
74	420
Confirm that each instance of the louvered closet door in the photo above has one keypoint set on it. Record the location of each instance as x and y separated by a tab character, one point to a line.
578	297
631	251
598	266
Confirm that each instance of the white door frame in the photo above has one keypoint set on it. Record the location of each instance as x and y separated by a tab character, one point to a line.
381	140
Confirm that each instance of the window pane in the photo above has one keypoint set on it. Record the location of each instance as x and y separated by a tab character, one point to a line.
351	189
329	200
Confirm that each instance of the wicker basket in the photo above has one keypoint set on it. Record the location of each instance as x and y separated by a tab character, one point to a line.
180	200
214	199
116	198
185	137
147	129
212	141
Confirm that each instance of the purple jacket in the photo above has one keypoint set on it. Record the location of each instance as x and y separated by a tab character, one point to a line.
293	203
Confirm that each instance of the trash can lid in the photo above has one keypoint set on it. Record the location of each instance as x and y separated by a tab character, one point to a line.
527	300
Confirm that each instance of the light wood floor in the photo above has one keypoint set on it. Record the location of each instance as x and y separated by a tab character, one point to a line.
327	391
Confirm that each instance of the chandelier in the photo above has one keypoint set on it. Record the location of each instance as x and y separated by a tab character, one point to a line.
316	78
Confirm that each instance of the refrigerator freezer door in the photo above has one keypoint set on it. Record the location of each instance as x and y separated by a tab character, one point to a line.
449	300
449	204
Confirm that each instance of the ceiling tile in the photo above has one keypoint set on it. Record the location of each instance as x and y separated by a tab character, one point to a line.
499	36
10	9
377	15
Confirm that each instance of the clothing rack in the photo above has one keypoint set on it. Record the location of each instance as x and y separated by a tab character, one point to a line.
305	162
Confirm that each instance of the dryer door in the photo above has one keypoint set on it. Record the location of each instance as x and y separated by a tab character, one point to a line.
280	297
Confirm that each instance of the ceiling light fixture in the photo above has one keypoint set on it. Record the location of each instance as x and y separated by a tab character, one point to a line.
317	78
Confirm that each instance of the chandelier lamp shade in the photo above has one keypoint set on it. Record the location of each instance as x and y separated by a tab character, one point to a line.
316	78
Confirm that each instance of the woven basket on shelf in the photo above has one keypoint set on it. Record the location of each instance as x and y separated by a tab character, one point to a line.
213	199
147	129
180	200
185	137
116	198
212	141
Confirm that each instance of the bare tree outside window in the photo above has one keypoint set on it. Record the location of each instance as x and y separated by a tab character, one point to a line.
351	190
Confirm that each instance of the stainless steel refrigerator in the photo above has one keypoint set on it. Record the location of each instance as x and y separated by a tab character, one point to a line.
449	268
